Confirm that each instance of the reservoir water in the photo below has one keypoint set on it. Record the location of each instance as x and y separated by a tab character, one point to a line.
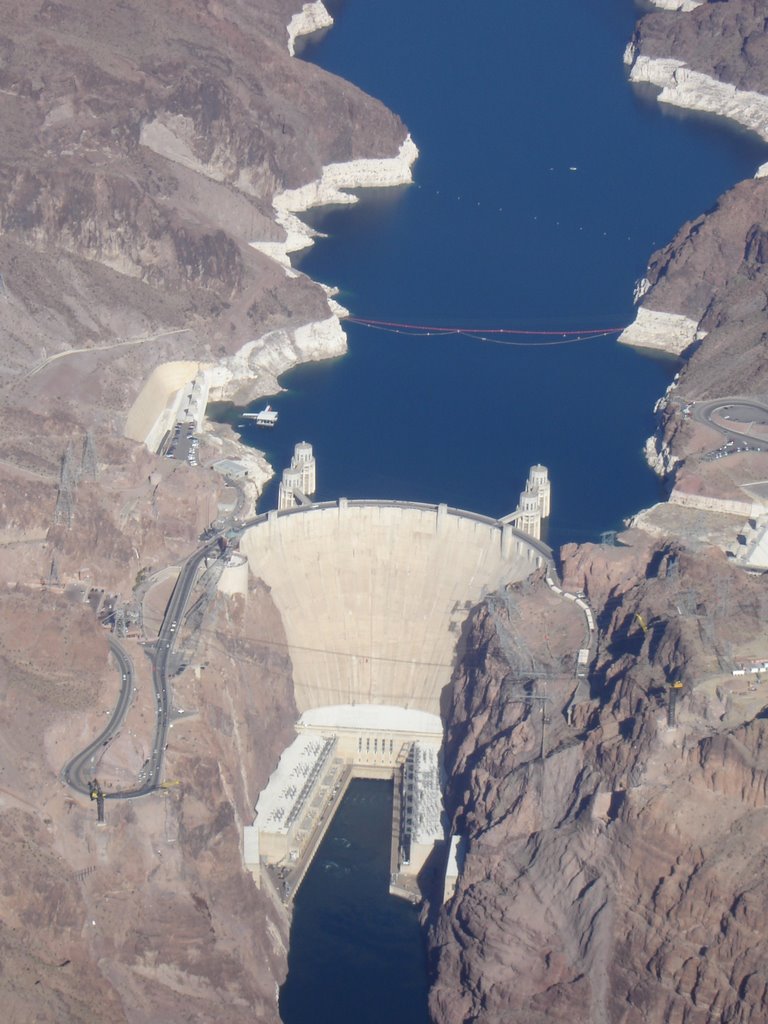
544	184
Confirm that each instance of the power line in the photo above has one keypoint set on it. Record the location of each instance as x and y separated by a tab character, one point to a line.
490	335
209	634
285	645
482	330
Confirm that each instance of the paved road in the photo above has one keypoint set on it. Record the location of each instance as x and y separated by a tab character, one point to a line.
161	651
39	367
742	411
82	768
161	655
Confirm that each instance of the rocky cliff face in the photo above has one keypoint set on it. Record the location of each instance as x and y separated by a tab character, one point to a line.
153	916
713	272
614	869
618	877
143	145
142	153
724	40
614	866
704	294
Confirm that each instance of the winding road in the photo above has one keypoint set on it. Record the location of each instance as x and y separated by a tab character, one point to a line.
83	766
743	411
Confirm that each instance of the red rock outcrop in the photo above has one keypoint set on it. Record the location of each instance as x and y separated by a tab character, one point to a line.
618	878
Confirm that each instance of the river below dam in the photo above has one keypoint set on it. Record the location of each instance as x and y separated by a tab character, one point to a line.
544	184
356	953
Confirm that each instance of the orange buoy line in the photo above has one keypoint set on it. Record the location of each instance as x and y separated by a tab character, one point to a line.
491	335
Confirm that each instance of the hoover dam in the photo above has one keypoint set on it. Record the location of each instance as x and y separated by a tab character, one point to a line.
373	596
373	593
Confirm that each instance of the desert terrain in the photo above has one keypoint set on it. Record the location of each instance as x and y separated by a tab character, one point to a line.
614	865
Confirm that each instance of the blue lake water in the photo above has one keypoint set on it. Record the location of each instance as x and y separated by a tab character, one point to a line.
503	99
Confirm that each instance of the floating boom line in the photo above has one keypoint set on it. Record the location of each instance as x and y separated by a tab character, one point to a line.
516	336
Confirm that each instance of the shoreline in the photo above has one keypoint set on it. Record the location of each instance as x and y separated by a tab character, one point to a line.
332	188
666	331
313	17
677	5
657	331
682	86
253	371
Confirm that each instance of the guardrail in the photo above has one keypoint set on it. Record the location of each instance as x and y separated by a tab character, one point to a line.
477	517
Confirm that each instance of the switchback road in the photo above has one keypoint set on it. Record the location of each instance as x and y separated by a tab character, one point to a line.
81	768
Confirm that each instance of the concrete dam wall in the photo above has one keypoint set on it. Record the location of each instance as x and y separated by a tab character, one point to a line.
373	593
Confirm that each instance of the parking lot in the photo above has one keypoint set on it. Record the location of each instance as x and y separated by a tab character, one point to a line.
183	444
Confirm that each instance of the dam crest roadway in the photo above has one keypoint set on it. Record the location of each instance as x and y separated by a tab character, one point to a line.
373	596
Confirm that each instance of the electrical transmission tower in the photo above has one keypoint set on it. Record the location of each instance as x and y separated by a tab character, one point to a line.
133	615
89	465
687	603
64	511
53	576
530	700
516	652
68	473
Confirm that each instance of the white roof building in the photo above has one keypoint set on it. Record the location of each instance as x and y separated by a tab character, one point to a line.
283	798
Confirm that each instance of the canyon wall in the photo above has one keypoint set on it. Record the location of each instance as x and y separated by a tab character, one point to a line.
703	296
613	867
153	160
712	272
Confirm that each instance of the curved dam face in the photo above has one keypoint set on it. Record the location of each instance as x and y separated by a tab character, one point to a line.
373	593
